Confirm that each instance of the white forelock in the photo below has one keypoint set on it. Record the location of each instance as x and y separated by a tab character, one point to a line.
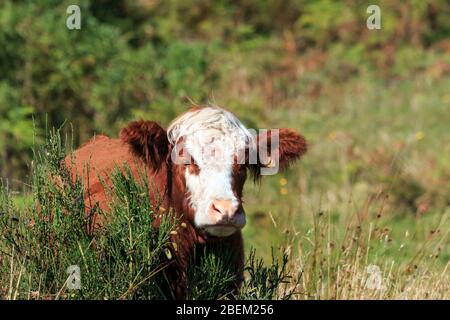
209	121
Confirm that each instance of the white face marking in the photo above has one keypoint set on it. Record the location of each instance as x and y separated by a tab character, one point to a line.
213	137
214	181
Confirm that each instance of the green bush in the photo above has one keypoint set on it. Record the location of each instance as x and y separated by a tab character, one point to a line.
124	260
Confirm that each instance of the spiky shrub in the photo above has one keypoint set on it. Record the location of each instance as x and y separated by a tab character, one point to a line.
213	277
124	260
42	238
211	274
267	281
38	244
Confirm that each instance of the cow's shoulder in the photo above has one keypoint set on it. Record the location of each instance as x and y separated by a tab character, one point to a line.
101	155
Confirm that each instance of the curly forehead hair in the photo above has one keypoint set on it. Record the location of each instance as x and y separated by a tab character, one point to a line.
209	121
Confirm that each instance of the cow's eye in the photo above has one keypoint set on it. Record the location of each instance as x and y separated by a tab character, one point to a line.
194	165
193	168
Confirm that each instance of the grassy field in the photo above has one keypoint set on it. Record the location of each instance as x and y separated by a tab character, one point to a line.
364	215
374	189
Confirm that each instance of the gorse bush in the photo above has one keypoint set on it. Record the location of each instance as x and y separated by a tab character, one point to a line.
268	281
213	276
124	260
121	261
41	241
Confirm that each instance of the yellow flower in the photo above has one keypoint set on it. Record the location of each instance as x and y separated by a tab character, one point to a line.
284	191
420	135
283	182
332	135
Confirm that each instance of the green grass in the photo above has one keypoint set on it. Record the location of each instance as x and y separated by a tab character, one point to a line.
382	151
379	160
373	189
370	194
44	234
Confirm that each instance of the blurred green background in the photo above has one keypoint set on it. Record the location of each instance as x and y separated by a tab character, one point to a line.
373	104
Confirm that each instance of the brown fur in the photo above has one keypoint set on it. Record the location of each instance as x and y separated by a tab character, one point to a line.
144	144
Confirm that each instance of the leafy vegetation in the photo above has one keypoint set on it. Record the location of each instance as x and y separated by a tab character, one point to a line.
40	242
372	191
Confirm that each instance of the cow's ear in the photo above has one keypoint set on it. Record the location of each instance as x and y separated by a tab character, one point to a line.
278	148
147	140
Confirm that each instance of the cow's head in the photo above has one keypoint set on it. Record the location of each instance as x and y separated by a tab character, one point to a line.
210	152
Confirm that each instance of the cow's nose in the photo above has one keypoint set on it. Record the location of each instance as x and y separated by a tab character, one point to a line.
224	209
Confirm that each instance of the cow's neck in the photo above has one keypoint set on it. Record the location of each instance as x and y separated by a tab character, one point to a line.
179	202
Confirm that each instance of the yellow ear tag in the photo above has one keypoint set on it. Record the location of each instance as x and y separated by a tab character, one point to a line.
270	163
168	253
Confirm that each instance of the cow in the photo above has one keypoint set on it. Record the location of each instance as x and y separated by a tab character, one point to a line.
204	192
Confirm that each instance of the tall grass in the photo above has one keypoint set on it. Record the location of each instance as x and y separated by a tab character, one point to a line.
354	266
40	242
41	239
